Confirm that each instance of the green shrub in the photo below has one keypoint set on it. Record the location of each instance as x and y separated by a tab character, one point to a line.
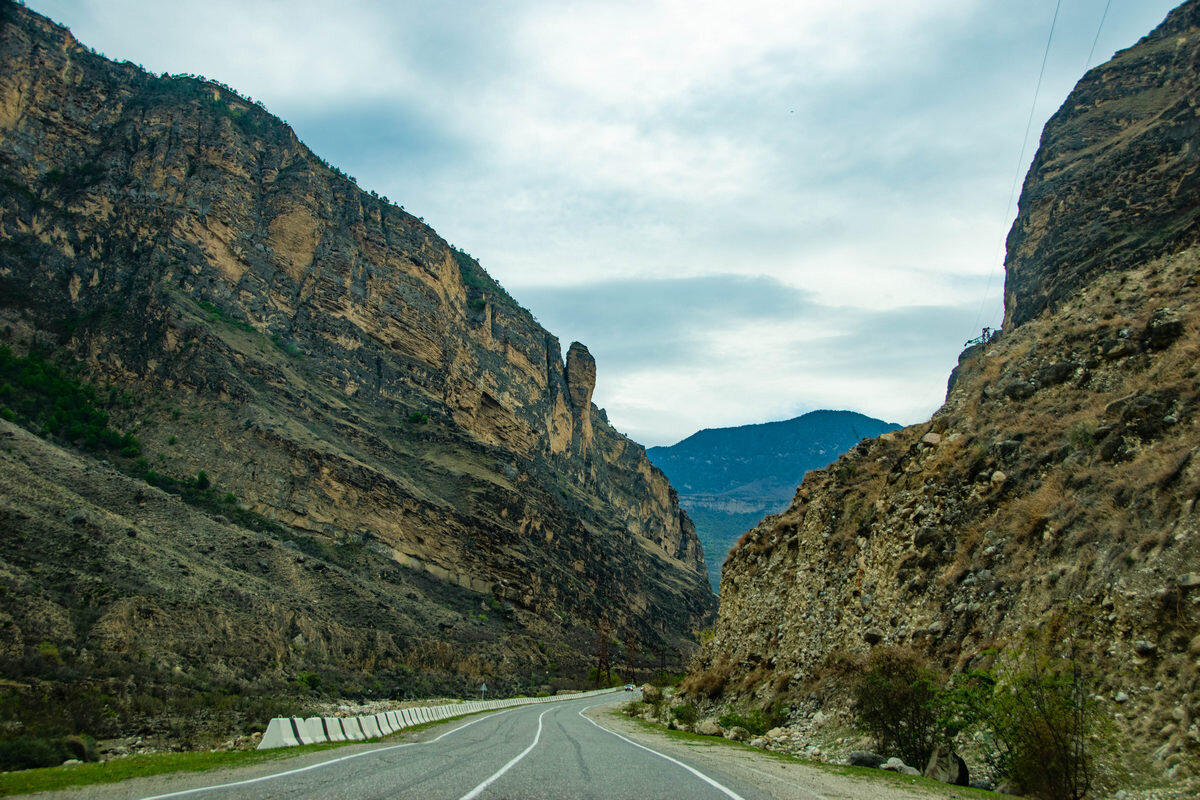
685	713
898	700
1049	727
665	679
753	721
46	400
30	752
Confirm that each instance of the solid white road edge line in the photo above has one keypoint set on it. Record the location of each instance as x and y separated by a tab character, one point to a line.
732	794
471	795
331	761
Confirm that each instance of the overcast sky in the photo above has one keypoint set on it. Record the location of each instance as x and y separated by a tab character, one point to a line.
745	210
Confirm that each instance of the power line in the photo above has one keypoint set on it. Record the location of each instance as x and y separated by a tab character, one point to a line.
1092	52
1021	158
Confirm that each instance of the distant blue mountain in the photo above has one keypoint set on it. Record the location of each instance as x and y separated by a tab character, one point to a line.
730	478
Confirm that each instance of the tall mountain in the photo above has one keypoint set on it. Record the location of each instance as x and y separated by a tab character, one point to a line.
729	478
414	479
1053	496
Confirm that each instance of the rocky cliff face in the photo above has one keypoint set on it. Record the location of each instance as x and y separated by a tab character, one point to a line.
1054	493
326	359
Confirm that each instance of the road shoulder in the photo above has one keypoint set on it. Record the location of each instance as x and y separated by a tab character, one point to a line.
783	777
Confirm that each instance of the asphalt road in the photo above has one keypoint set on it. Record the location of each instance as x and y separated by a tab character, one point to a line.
531	752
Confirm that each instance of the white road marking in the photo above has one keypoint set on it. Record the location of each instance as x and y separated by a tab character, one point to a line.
471	795
732	794
375	751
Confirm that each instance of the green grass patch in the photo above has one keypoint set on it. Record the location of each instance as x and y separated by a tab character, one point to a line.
215	314
43	398
141	766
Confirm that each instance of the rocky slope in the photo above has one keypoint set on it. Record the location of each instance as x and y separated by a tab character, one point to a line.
730	478
335	368
1053	495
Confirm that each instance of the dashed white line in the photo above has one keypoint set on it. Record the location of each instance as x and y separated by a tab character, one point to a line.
471	795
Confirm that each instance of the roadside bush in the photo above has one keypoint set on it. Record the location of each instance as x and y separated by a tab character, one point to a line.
1037	718
29	752
685	713
898	700
753	721
1048	727
709	683
665	679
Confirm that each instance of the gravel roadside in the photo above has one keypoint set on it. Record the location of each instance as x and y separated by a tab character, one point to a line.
784	779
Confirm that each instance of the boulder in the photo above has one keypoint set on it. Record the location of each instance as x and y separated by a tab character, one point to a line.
1054	374
865	758
709	727
776	733
737	734
946	766
893	764
1019	390
1163	328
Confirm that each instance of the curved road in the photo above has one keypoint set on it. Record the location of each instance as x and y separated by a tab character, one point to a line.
530	752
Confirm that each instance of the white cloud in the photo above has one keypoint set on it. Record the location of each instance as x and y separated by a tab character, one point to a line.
793	205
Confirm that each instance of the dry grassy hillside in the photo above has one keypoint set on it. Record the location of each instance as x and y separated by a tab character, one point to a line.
1050	505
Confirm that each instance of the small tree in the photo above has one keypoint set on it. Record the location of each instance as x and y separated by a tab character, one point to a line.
1049	726
898	700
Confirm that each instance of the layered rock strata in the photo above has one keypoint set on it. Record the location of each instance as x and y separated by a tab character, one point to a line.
324	357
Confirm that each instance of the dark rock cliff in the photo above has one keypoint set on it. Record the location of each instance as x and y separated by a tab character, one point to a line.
330	362
1053	497
1115	181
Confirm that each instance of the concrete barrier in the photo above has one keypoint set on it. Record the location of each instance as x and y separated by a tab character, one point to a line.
279	734
293	731
301	728
370	727
314	730
353	730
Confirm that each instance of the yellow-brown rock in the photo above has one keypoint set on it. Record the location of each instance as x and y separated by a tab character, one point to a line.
333	365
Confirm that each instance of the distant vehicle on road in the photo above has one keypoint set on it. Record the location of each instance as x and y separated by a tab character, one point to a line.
629	687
